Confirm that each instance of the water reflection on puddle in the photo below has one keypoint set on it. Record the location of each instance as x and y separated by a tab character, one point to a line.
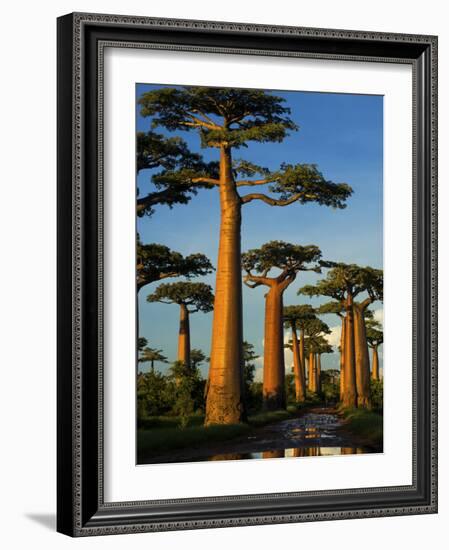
292	453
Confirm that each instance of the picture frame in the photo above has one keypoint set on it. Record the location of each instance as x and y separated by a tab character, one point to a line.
81	507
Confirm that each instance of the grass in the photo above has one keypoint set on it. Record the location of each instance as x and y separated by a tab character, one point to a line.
162	433
366	424
169	438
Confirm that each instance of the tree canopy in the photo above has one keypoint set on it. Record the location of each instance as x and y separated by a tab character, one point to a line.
149	355
196	296
298	315
344	278
156	262
153	151
289	258
230	118
374	333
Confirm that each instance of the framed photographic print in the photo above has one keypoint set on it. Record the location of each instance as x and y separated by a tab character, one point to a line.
246	274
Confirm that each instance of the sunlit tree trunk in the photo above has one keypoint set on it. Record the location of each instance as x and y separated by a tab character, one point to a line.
300	390
350	393
225	403
361	357
302	358
342	357
273	358
375	370
312	373
184	336
318	372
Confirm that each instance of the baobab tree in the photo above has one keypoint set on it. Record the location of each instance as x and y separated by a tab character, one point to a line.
337	308
319	346
375	338
290	259
150	355
343	283
156	262
314	330
157	151
191	297
227	119
295	318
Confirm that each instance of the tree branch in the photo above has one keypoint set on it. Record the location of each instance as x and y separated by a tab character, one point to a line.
271	201
254	182
201	179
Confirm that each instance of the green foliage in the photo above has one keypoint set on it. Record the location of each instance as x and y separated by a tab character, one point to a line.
156	262
366	424
197	296
252	390
309	183
154	150
197	358
187	391
330	385
222	115
154	395
290	393
281	255
141	343
230	118
343	278
299	315
377	395
173	156
374	334
150	355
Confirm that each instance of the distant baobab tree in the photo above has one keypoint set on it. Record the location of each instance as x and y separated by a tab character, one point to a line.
375	337
290	259
190	297
227	119
343	283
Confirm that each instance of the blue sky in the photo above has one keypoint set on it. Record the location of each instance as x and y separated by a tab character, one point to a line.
343	135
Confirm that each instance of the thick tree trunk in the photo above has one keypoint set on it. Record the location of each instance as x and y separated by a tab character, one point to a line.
342	358
312	373
375	371
350	393
225	403
302	357
300	390
273	358
184	336
362	369
318	372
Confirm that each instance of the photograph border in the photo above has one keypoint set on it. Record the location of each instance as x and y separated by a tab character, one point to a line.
81	510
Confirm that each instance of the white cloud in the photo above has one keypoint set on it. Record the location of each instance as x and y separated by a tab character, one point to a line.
379	315
334	337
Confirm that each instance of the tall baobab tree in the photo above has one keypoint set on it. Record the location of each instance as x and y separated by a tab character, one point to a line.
150	355
295	318
191	297
343	283
375	338
227	119
289	259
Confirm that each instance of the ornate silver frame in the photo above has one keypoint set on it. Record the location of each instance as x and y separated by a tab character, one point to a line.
81	42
